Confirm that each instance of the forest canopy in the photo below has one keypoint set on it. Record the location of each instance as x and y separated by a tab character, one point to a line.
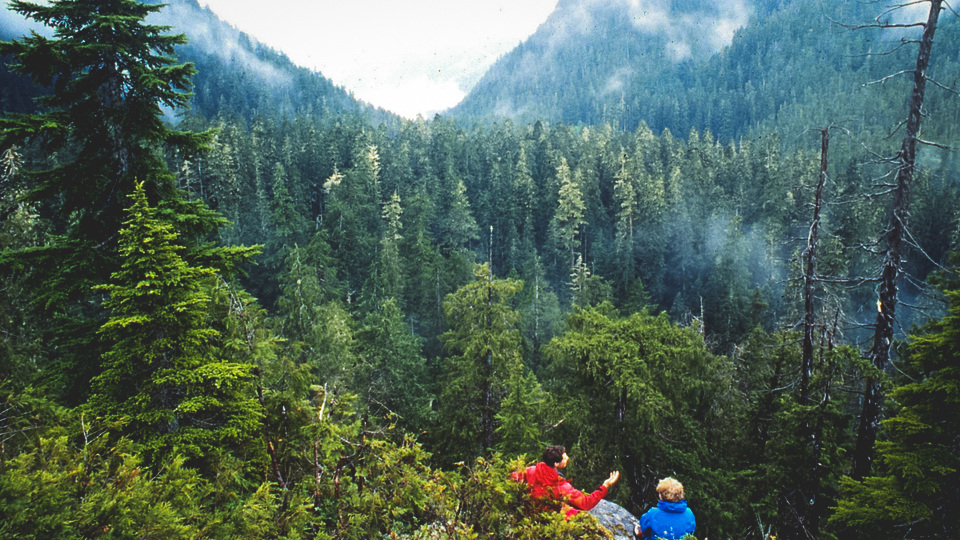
308	325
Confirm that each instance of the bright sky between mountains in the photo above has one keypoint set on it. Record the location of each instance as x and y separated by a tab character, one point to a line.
407	56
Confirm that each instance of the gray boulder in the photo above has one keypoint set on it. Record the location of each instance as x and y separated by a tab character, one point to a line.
615	519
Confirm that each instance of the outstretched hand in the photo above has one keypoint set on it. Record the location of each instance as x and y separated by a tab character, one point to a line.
614	476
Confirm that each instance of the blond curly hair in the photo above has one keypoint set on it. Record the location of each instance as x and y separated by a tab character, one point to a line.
670	490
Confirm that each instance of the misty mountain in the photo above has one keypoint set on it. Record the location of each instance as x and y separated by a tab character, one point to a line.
237	75
588	61
733	68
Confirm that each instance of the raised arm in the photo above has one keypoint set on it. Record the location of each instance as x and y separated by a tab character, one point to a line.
581	501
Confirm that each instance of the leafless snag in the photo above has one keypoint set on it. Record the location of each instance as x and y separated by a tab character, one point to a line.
810	272
893	239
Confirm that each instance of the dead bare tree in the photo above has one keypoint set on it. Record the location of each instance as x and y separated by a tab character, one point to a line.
798	508
810	274
893	239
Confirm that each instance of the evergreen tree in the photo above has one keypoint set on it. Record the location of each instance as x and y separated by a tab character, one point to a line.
651	241
728	314
287	223
641	394
626	198
586	289
540	311
353	216
109	74
916	493
284	228
311	279
221	176
569	214
484	340
20	227
421	265
521	416
161	377
393	375
525	191
386	279
457	225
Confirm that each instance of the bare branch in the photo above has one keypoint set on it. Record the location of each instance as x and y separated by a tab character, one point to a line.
876	156
881	193
903	42
878	181
947	88
931	143
888	77
900	371
913	242
900	6
955	14
882	25
896	129
850	391
913	306
851	281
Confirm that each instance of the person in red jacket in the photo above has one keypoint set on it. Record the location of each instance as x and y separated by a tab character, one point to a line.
549	490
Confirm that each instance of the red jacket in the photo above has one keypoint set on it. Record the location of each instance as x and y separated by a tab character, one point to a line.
549	490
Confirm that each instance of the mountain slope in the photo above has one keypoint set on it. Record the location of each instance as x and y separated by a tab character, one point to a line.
787	67
236	74
585	52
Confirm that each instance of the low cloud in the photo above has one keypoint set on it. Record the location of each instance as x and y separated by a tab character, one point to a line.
617	82
217	38
690	30
687	28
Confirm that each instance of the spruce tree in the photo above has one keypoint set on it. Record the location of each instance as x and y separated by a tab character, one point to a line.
161	377
521	414
569	213
484	339
916	493
392	376
386	279
352	213
626	200
109	74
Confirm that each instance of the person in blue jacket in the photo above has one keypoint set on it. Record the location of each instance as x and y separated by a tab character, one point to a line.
670	519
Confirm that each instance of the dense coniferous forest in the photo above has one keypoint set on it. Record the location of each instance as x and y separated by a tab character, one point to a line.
248	310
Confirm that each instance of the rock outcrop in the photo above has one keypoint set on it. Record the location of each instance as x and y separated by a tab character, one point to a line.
616	519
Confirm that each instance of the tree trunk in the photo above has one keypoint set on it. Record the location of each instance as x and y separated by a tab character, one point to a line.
799	514
810	274
890	273
486	428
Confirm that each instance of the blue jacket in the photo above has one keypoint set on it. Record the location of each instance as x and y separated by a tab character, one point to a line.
669	520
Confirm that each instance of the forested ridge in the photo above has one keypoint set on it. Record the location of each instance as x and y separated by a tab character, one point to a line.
792	64
320	321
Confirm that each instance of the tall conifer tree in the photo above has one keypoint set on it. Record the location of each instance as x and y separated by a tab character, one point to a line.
915	491
109	73
569	214
485	341
161	375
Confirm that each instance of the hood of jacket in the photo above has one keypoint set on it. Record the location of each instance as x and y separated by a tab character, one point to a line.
543	475
678	507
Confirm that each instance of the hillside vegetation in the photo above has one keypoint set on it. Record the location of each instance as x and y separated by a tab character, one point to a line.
313	321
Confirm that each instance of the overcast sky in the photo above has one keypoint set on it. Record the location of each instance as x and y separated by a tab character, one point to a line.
407	56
